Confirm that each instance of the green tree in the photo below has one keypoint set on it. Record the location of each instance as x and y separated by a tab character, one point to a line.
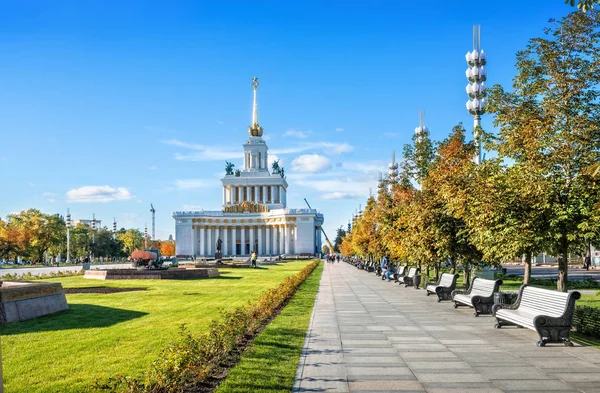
340	234
40	232
131	239
550	127
583	5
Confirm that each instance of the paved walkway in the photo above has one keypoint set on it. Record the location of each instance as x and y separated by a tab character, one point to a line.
370	335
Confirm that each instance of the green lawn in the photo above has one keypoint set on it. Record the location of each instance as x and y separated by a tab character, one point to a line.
105	334
270	364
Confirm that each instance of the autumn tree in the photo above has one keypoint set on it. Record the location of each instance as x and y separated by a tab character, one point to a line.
131	239
167	248
450	180
39	232
550	127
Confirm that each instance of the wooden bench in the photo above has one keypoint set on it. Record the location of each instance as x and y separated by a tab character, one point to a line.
408	279
480	295
443	288
399	273
549	313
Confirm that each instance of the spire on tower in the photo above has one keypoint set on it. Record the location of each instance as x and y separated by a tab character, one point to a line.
255	130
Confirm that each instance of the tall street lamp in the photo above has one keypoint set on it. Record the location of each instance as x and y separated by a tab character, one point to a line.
476	75
68	222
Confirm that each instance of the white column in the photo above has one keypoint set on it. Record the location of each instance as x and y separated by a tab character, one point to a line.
279	239
257	194
217	232
225	249
243	240
280	192
267	240
252	243
233	240
287	239
259	228
202	246
283	195
208	241
264	198
295	237
240	194
231	195
194	240
224	195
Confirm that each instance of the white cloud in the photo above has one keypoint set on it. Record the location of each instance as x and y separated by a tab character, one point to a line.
51	200
153	167
90	194
31	184
391	134
339	129
311	163
220	122
327	147
340	195
191	184
204	153
48	194
297	134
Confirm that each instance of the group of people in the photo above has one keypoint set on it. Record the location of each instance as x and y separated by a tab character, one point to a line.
331	258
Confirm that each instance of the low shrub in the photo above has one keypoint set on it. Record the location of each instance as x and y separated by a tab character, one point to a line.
587	321
28	276
193	360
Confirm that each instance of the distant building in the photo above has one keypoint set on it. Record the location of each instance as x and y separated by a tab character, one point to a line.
255	216
170	238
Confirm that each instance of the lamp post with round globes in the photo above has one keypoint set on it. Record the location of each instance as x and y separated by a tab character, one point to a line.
68	222
476	75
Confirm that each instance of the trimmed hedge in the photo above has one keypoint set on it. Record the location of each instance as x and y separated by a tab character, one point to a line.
587	321
187	364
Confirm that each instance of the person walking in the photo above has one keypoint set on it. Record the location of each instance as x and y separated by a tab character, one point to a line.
253	258
587	261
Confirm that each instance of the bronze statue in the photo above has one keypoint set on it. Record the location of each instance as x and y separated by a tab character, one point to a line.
275	167
219	244
229	168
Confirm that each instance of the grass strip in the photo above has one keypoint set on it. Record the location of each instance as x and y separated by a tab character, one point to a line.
270	364
197	362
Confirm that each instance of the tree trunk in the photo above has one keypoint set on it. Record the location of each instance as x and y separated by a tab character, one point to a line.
436	271
427	273
467	277
453	266
527	273
563	264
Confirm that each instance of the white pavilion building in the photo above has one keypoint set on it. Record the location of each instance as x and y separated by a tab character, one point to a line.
255	216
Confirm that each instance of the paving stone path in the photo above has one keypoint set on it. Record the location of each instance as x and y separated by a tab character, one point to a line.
375	336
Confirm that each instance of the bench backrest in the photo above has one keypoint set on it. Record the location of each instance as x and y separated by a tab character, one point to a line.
483	287
401	270
412	272
544	301
447	280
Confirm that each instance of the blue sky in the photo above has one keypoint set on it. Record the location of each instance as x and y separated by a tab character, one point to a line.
108	106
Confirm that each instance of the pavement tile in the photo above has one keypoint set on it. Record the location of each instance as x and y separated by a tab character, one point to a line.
386	385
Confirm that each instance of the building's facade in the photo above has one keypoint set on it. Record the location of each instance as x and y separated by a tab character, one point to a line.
255	216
